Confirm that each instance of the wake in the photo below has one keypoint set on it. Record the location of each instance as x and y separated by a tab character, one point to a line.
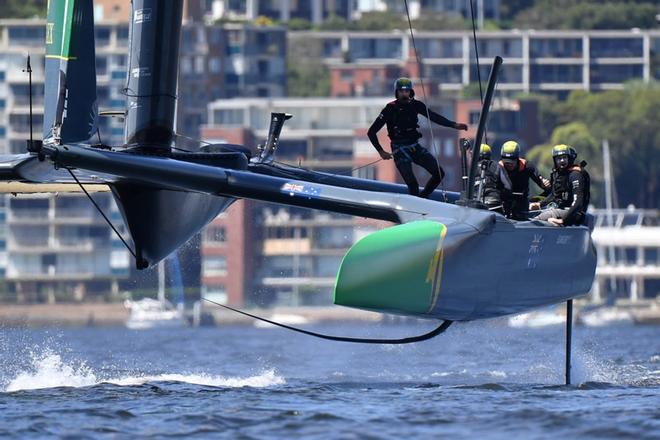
48	370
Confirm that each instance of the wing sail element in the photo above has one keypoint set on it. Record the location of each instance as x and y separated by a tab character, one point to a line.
187	176
70	106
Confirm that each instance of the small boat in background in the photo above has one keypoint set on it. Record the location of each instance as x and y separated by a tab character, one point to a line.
155	313
541	318
603	316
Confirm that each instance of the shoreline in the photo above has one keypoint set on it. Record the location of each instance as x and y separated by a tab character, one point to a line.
115	314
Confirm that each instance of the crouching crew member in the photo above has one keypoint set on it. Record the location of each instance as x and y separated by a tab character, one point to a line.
492	179
400	116
519	171
568	202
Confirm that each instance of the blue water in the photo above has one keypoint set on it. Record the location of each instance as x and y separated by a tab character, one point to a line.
478	380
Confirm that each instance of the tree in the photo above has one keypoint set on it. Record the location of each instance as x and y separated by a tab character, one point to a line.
440	22
577	135
299	24
592	14
23	8
628	120
307	79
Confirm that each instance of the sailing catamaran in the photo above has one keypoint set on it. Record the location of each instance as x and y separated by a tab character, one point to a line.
423	267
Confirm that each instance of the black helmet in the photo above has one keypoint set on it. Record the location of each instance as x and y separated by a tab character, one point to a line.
404	83
563	149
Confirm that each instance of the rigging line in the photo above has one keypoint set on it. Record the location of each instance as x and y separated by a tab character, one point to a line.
419	67
98	208
476	51
328	175
421	83
289	171
476	54
424	337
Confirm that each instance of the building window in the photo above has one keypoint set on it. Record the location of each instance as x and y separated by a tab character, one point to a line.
449	147
541	73
555	48
616	47
215	265
215	65
368	172
605	73
27	36
215	234
216	293
101	66
199	65
262	67
228	117
101	36
186	65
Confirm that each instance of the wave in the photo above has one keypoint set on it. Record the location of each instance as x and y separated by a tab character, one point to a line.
48	370
266	379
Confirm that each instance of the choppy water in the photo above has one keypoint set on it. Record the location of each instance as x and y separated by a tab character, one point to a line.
477	380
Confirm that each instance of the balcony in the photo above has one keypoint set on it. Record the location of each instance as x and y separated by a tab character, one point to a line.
287	246
23	246
28	216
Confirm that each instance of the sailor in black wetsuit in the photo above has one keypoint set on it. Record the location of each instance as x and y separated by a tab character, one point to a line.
400	116
516	202
567	205
491	180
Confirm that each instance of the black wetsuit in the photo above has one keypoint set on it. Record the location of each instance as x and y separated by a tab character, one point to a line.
403	131
516	201
570	194
495	182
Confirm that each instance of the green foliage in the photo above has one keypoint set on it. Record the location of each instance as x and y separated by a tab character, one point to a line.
628	120
307	79
380	21
335	23
440	22
23	8
592	14
471	91
577	135
299	24
370	21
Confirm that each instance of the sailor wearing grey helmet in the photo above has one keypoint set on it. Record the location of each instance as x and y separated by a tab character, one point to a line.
568	202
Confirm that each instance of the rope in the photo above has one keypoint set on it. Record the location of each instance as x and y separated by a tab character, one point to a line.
98	208
328	175
476	53
424	337
419	66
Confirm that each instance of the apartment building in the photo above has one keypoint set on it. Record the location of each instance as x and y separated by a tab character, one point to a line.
553	62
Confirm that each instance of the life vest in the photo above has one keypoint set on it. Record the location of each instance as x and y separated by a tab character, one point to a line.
404	123
562	190
522	164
